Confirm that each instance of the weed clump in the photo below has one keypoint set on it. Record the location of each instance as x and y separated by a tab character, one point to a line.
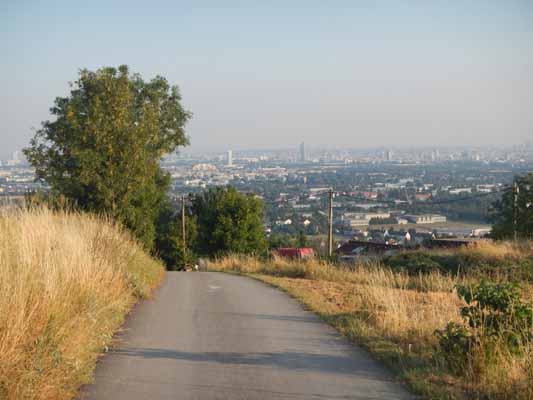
497	330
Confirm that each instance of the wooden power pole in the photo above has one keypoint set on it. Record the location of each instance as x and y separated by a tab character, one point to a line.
183	223
330	224
515	209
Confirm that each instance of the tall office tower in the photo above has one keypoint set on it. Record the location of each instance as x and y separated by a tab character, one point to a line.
388	155
302	151
17	156
230	158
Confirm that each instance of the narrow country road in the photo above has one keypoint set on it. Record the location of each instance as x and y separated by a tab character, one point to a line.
211	335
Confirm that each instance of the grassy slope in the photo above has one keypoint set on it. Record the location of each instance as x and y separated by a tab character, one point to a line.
394	316
66	283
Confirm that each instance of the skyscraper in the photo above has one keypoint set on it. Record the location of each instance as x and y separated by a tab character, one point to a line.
230	158
302	151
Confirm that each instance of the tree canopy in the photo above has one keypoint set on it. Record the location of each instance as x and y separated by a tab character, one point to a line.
228	221
103	149
509	215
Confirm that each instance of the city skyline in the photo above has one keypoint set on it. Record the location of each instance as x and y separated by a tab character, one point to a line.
263	76
296	150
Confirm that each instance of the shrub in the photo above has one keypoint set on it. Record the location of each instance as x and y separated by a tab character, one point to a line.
495	318
496	310
455	343
413	263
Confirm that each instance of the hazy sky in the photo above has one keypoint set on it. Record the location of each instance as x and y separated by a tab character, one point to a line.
275	73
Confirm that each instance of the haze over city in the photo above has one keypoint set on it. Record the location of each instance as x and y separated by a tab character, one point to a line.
258	75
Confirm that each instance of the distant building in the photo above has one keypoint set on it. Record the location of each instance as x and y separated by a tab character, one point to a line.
388	155
425	218
354	219
317	190
204	167
302	152
301	206
460	190
365	194
230	158
16	159
480	232
353	249
422	196
379	215
486	188
353	222
294	252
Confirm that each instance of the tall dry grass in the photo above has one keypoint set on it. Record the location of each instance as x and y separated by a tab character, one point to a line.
396	315
66	282
403	307
499	250
367	274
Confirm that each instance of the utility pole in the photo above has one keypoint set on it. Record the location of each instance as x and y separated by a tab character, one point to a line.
515	209
330	224
183	223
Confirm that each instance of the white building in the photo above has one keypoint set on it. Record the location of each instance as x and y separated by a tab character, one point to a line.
354	219
425	218
460	190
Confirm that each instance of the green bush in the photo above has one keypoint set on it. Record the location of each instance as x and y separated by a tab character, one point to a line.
496	310
413	263
494	315
455	343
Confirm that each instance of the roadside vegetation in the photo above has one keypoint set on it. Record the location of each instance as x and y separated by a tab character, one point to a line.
67	281
448	323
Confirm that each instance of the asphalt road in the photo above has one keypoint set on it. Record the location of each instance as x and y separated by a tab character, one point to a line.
210	335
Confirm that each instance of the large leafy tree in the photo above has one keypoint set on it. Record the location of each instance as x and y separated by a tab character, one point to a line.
103	148
228	221
514	211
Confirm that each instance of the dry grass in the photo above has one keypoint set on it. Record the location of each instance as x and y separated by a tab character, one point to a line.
395	316
367	274
499	250
66	282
